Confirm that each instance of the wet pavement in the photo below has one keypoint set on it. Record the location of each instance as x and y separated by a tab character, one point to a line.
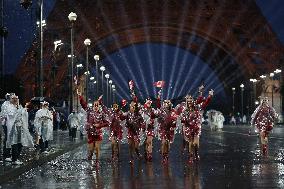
31	157
229	159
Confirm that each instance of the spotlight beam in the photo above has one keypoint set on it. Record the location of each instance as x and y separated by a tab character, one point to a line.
150	58
137	59
174	65
86	23
213	25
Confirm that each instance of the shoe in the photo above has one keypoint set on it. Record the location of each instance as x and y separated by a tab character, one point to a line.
8	159
90	157
17	162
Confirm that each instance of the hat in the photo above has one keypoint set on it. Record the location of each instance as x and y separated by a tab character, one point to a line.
7	96
44	103
12	95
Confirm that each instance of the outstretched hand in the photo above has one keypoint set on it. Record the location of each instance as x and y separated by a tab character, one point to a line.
78	92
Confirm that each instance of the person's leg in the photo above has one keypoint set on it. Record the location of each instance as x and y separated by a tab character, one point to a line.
149	148
14	152
41	145
264	142
46	145
91	149
6	151
196	147
131	149
136	146
19	150
98	149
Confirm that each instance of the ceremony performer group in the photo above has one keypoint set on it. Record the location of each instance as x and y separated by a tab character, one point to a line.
137	126
141	123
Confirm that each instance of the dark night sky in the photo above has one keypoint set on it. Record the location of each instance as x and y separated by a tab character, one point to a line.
20	23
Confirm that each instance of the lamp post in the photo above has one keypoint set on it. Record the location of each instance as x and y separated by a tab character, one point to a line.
110	89
102	68
77	75
97	58
72	18
40	66
107	77
272	88
234	92
114	92
87	43
242	99
254	88
279	71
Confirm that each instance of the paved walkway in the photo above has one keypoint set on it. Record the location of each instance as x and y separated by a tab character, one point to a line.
229	159
31	158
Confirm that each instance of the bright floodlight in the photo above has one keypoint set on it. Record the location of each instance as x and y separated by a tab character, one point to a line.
277	71
87	42
95	82
72	17
92	78
102	68
263	76
79	65
271	74
110	81
113	86
242	86
97	57
107	76
233	88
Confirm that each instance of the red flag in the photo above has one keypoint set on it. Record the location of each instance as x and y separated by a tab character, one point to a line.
159	84
123	102
131	85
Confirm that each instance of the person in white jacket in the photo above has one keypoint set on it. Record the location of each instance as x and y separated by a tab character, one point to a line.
220	120
17	129
3	121
74	122
44	126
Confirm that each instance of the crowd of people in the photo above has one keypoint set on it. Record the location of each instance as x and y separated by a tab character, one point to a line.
136	125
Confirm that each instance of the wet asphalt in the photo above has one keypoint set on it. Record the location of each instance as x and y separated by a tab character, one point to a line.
229	159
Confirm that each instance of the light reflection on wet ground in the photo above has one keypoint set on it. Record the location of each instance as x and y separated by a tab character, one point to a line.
227	161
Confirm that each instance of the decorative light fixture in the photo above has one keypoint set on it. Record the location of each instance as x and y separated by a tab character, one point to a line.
102	68
72	17
97	57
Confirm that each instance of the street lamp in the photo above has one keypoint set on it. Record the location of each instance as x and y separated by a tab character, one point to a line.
102	68
110	84
254	81
242	99
77	73
72	18
57	43
97	58
107	77
87	43
272	89
234	91
114	93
